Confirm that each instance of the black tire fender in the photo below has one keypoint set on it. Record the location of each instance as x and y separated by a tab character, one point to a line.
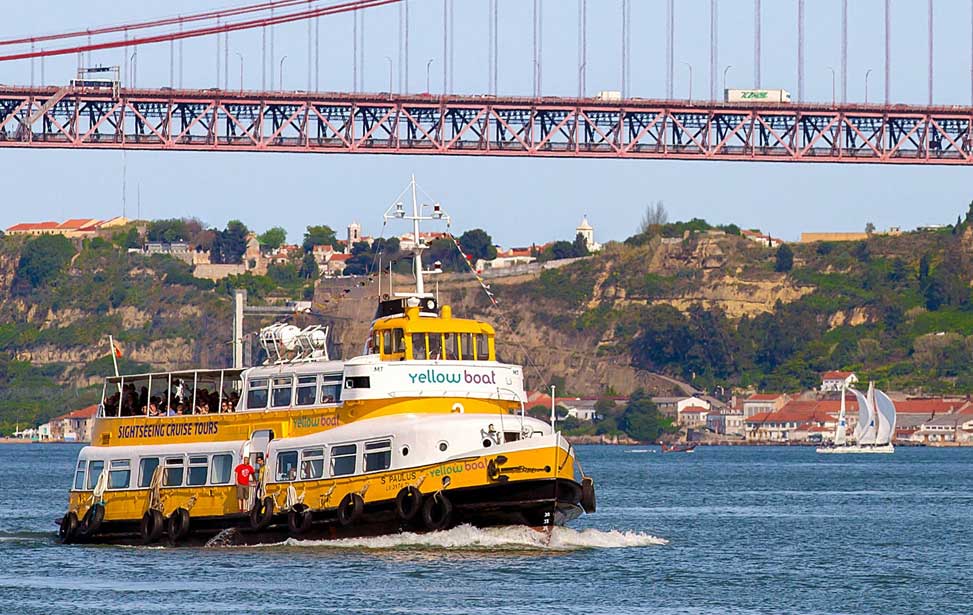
153	523
92	520
262	513
299	519
437	512
68	527
588	500
177	525
408	503
350	509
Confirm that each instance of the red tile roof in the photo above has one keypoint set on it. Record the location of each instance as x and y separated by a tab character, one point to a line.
835	375
83	413
77	224
340	257
33	226
694	410
932	406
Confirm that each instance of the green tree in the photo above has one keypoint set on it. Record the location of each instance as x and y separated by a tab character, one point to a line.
322	235
169	230
284	274
132	239
42	258
869	228
273	238
785	259
478	244
309	267
230	244
580	245
641	418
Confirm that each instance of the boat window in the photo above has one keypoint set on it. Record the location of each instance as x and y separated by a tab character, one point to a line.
386	341
482	347
281	396
435	346
419	346
147	466
79	475
398	341
378	455
287	465
467	346
197	471
175	466
119	474
221	469
94	472
331	391
375	344
257	394
312	463
306	388
343	459
451	341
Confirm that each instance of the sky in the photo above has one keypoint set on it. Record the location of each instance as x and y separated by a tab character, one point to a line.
519	201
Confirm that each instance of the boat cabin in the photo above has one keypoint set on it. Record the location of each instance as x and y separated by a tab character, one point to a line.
419	333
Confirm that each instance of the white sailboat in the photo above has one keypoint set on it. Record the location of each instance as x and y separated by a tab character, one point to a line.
876	424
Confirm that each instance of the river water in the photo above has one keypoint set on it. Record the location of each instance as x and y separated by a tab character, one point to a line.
723	530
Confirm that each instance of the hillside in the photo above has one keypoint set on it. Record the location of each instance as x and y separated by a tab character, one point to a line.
684	303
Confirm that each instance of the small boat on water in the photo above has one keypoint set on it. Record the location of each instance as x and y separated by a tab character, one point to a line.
678	447
875	428
423	431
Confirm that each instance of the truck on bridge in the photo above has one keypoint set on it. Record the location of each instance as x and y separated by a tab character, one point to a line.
757	96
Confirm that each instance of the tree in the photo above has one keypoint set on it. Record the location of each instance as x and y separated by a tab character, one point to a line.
641	418
285	274
654	217
169	230
322	235
580	245
478	244
273	238
132	239
230	244
785	259
42	258
869	228
309	267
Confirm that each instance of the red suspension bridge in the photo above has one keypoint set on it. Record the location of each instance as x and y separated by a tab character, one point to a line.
81	116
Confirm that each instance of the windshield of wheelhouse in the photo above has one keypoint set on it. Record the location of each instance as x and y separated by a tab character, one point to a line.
397	345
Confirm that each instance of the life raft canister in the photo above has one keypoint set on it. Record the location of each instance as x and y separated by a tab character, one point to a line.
437	512
153	523
177	526
408	503
299	519
92	520
68	527
262	513
350	509
588	502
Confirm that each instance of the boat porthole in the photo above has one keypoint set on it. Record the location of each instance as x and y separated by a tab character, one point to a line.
405	451
487	442
446	481
443	445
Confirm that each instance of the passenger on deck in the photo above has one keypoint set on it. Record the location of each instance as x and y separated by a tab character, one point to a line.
154	407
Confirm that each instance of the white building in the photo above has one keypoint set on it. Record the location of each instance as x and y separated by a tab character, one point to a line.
588	232
354	234
834	381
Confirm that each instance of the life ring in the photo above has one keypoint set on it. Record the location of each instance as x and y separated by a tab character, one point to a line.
177	526
152	525
437	512
299	519
92	520
588	502
408	503
68	527
261	513
350	509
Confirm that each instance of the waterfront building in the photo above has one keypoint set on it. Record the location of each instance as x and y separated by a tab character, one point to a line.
835	381
763	402
670	406
692	416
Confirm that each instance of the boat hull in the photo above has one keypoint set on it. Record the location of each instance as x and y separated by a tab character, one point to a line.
856	450
534	503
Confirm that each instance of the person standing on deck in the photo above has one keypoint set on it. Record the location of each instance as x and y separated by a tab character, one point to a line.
244	475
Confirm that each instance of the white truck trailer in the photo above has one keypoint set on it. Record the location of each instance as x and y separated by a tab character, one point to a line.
757	96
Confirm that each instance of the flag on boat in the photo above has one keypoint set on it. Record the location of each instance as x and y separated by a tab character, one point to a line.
116	350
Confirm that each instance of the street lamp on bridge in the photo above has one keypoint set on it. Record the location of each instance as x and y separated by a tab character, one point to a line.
240	55
690	67
867	72
728	67
428	66
833	99
389	60
281	73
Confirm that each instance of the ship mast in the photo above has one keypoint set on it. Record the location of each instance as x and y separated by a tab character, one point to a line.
397	210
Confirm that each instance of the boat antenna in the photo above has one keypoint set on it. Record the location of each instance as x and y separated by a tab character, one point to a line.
397	210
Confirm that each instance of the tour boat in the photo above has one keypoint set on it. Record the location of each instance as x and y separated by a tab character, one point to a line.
875	429
424	431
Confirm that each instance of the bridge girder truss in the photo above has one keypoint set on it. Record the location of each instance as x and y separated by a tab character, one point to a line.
211	120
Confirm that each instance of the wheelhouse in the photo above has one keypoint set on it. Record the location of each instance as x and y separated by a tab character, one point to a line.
422	335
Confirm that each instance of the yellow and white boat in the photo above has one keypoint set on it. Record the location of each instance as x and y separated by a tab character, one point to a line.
424	431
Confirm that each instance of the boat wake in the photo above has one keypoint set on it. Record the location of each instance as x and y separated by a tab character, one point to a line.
510	538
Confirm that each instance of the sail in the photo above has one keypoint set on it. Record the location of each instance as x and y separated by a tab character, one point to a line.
839	430
870	431
886	426
864	416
